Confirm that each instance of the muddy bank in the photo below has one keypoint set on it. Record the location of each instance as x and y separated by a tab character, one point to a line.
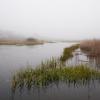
20	42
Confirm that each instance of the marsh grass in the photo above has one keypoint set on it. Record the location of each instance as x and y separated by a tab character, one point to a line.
54	70
67	53
92	47
50	72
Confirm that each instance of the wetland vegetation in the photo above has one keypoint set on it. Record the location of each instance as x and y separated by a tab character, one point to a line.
50	72
40	73
67	53
29	41
91	47
54	70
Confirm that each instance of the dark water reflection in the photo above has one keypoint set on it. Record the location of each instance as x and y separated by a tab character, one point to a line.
60	91
95	61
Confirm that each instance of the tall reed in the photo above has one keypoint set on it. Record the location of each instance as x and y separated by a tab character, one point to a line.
50	72
92	47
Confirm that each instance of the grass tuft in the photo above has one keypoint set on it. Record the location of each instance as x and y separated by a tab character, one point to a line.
43	76
67	53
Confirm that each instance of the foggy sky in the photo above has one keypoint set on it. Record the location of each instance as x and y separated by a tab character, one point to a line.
68	19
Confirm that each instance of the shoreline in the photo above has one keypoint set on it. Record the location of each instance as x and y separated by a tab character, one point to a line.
20	42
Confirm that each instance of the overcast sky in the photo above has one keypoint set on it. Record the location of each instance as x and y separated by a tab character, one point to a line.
68	19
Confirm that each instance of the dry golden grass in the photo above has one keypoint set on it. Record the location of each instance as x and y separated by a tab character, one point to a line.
19	42
92	46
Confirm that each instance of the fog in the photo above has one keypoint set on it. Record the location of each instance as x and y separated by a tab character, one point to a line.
65	19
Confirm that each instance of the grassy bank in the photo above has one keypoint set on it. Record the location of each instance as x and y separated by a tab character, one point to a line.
67	53
51	71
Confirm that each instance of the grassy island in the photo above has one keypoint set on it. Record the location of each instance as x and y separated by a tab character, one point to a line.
52	71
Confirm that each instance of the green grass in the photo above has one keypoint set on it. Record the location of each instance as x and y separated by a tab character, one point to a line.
67	53
51	71
54	70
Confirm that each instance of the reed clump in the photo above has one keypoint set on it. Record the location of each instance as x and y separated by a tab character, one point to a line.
92	47
51	72
67	53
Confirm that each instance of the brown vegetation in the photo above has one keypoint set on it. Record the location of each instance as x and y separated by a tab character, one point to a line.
91	46
20	42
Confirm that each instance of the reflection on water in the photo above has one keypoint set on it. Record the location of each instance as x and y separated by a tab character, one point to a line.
15	57
94	61
60	91
83	58
87	90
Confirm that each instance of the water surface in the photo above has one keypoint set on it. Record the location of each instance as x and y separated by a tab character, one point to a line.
13	58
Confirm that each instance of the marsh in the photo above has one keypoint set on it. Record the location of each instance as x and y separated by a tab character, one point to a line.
15	58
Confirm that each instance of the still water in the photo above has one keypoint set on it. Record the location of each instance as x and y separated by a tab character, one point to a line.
80	58
13	58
